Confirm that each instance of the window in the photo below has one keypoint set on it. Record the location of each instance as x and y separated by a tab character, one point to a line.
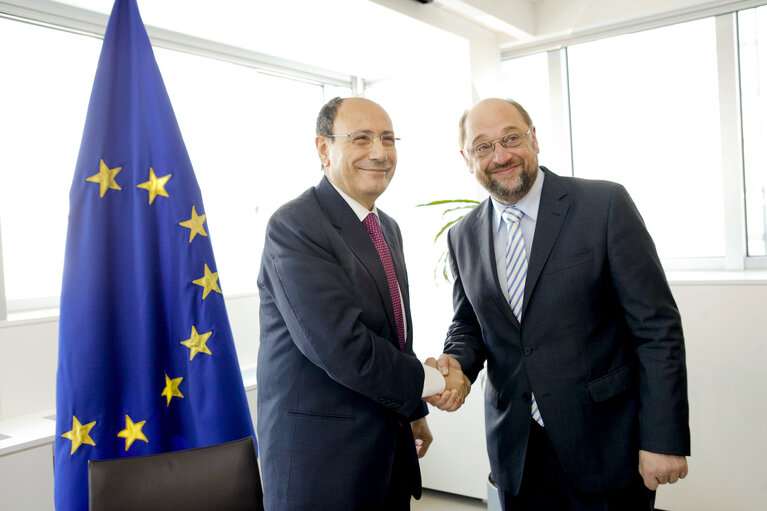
44	96
240	127
526	80
752	28
250	138
644	110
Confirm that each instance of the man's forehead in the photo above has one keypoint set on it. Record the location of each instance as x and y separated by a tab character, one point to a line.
361	114
490	119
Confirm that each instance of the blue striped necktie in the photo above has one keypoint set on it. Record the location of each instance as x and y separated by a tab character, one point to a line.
516	274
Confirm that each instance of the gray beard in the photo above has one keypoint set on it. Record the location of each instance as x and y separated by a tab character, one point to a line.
511	195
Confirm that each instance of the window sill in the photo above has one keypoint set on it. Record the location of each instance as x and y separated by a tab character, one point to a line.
717	278
26	432
20	314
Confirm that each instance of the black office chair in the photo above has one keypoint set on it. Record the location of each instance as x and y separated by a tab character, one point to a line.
223	476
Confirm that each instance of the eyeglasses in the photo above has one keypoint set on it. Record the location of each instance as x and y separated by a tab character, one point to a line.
365	139
510	141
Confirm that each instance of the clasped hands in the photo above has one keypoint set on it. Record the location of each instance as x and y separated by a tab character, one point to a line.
457	385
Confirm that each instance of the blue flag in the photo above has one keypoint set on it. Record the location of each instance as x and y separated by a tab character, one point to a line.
147	362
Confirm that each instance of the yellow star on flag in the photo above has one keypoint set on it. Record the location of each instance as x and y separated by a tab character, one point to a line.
105	178
79	434
196	343
194	225
132	432
155	186
208	282
171	388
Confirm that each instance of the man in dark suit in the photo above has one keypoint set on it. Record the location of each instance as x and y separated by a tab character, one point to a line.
559	288
341	421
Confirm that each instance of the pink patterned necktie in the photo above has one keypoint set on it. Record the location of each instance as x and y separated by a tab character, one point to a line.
374	230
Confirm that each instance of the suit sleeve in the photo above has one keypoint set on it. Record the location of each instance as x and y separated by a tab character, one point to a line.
654	321
464	336
316	298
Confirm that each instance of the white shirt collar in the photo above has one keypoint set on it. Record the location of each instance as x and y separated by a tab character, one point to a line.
361	211
528	204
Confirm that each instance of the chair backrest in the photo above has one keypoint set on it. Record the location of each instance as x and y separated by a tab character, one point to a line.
223	476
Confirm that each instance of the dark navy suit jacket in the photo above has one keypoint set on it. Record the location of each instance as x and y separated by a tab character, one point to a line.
335	393
600	343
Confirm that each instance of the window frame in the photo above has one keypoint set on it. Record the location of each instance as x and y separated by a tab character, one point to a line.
736	257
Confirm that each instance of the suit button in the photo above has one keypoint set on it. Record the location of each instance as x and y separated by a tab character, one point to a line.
527	397
527	351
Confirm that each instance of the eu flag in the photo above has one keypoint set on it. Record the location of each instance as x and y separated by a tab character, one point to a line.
147	362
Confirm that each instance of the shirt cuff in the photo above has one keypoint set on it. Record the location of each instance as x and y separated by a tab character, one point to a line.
433	381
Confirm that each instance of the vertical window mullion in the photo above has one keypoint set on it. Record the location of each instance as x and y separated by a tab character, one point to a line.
559	91
731	141
358	86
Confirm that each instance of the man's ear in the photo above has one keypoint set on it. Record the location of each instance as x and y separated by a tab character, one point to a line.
323	151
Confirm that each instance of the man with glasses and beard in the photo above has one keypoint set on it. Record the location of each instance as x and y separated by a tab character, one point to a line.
558	287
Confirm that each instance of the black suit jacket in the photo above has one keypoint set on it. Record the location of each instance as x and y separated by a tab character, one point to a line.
335	393
600	343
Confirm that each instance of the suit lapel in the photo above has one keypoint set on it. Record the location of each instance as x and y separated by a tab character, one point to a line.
358	240
551	215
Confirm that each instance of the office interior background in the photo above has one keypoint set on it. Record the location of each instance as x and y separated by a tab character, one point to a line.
667	97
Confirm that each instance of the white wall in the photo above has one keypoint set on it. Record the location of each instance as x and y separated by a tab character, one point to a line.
726	338
725	330
29	354
26	479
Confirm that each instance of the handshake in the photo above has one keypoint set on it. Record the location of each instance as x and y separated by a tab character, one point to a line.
457	385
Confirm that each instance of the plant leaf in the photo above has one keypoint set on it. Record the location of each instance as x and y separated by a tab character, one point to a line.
445	257
448	201
441	268
457	208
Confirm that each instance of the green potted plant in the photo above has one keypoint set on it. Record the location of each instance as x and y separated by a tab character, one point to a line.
455	210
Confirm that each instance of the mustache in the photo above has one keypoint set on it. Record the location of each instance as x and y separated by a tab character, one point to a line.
378	165
511	162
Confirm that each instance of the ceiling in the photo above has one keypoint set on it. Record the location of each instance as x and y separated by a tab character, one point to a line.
527	23
376	39
353	37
